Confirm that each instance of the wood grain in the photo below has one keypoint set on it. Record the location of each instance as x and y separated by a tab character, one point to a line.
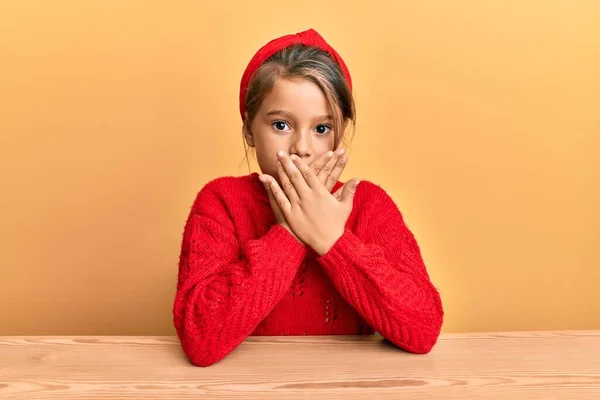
518	365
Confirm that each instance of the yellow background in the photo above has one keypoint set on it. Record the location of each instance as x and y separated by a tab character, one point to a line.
480	118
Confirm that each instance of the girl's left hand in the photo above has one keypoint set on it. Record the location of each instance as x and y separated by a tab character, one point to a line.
315	215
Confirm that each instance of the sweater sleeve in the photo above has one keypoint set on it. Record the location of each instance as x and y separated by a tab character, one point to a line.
223	290
382	275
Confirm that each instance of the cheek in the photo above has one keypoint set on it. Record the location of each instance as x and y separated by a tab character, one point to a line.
268	144
327	143
266	158
265	148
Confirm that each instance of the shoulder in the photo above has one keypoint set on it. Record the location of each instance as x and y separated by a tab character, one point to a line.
369	192
371	189
373	201
219	192
224	184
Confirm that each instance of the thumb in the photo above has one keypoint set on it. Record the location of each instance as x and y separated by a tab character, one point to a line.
345	194
279	217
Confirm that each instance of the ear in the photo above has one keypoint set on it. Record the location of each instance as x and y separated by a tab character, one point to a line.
248	137
344	125
337	141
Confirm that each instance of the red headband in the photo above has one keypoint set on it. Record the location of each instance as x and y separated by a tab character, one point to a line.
309	38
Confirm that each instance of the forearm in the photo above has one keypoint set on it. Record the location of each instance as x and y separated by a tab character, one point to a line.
216	312
392	293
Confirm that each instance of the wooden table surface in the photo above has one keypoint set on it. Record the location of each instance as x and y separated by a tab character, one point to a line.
519	365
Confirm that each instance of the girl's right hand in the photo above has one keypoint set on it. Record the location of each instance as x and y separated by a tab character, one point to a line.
328	168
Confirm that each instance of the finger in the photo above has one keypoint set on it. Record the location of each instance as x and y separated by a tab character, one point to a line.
336	172
338	193
326	168
309	176
320	162
348	191
297	180
266	180
286	184
280	198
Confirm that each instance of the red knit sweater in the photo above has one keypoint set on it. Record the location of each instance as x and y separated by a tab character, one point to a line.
242	274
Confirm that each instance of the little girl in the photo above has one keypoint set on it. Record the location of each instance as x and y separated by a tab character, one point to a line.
293	251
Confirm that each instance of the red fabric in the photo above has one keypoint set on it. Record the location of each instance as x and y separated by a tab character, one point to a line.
242	274
309	37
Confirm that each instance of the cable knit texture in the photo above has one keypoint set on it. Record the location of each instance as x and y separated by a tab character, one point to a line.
242	274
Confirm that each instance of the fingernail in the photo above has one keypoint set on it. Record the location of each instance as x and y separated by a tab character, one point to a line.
340	151
293	157
280	153
330	154
263	178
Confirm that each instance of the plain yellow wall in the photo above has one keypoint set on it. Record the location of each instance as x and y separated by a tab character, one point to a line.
481	119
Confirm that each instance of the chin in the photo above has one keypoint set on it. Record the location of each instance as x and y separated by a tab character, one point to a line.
270	171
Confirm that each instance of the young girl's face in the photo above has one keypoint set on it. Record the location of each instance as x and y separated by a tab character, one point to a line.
294	117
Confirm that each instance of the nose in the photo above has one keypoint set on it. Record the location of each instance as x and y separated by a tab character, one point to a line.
301	144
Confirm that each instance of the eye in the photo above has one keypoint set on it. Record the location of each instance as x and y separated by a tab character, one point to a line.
280	125
323	129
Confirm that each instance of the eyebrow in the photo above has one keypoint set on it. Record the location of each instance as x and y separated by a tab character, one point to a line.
290	115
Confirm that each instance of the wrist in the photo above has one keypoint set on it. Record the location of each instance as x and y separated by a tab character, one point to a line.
289	229
325	245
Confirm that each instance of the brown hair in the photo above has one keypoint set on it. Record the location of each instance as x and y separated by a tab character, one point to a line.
307	62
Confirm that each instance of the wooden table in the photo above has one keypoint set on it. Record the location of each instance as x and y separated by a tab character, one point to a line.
526	365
